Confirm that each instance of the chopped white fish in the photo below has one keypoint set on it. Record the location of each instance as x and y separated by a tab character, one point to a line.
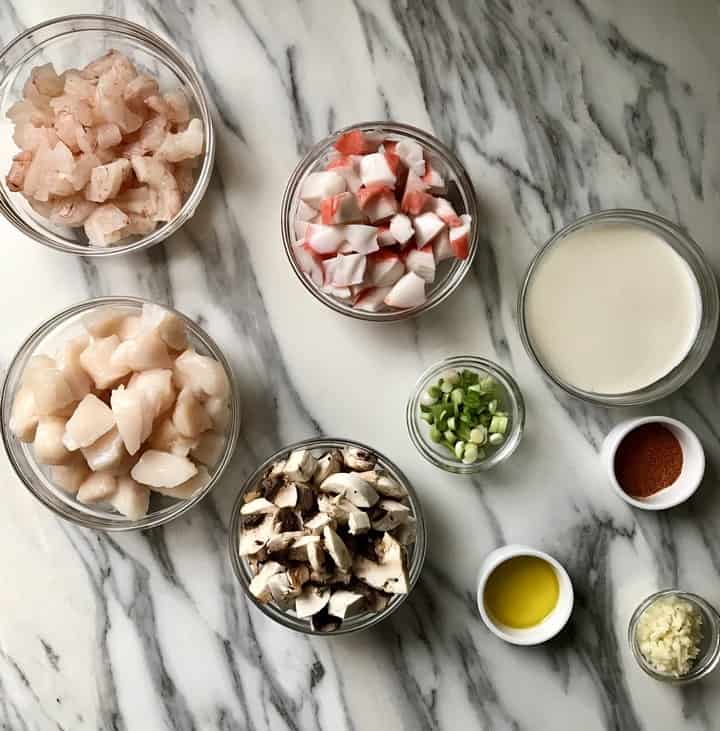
69	365
189	416
133	417
144	352
91	419
70	476
51	390
157	388
130	498
96	359
209	448
105	453
24	416
188	488
97	487
201	373
169	326
48	445
162	469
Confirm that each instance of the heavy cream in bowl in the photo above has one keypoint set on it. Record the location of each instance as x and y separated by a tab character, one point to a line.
611	307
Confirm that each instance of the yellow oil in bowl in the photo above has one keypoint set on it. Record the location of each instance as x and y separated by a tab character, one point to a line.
521	592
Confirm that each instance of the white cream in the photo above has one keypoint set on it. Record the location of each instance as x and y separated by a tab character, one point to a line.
612	308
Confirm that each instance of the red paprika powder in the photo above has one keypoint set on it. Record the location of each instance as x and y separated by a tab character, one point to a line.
648	459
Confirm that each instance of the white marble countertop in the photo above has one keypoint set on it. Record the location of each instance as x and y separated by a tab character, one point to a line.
557	107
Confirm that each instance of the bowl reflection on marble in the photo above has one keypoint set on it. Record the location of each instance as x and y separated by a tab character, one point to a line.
45	340
460	192
72	41
365	619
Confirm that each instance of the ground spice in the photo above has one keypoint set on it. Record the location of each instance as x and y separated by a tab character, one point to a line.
648	459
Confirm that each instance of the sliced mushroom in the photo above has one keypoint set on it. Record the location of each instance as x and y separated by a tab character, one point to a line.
406	533
311	600
336	548
298	576
283	591
358	522
339	512
287	496
395	514
324	622
282	541
362	495
259	505
259	585
299	548
317	523
384	484
388	573
255	538
316	556
344	603
300	465
358	459
330	463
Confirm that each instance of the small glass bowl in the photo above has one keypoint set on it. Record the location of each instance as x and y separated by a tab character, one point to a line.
46	339
364	620
72	41
452	271
419	430
707	286
709	655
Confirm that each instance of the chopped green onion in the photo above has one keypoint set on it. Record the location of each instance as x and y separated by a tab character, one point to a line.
451	423
470	455
478	435
436	435
492	406
446	387
496	439
459	449
498	425
458	396
450	436
426	416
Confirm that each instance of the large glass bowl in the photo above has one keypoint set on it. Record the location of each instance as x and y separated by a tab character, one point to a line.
45	340
70	42
460	193
693	256
364	620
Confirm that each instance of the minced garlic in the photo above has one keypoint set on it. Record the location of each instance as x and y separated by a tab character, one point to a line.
669	633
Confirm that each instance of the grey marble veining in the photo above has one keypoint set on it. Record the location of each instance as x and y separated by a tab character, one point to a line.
557	108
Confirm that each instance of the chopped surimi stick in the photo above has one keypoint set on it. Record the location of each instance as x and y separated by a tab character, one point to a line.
384	268
441	246
348	167
305	212
415	197
343	293
409	291
459	238
444	210
401	228
310	263
300	231
362	239
369	193
372	299
411	154
432	177
385	236
349	270
318	186
374	170
341	208
427	226
353	143
324	239
381	207
422	262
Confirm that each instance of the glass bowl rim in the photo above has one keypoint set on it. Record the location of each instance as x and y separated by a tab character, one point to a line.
415	564
115	523
453	279
173	59
707	663
454	465
692	255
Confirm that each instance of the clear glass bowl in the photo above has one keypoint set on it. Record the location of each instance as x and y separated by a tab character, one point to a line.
461	194
707	286
709	655
364	620
438	455
46	339
72	41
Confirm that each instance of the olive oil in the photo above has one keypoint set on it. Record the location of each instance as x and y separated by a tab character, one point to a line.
521	592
